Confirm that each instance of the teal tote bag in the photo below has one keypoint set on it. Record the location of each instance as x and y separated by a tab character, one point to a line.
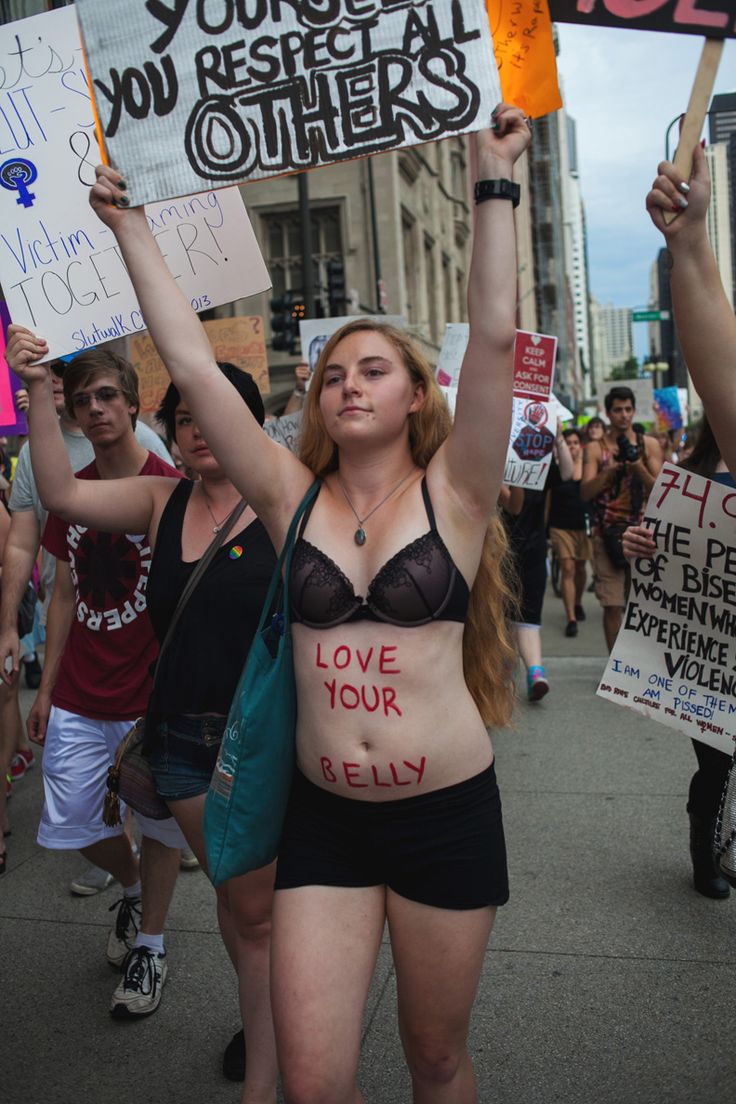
245	806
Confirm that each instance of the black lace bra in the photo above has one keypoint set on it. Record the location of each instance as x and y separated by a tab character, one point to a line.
419	584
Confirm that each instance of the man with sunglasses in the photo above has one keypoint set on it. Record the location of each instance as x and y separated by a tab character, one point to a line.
96	679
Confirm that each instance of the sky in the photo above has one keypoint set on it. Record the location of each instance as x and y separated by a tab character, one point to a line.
623	88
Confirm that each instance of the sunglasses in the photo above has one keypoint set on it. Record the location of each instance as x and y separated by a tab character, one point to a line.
102	395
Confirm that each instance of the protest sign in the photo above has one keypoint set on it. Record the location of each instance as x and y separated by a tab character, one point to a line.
525	55
643	396
674	659
314	333
534	361
60	268
534	365
713	18
238	340
242	342
12	421
667	409
535	411
531	442
285	430
197	95
450	360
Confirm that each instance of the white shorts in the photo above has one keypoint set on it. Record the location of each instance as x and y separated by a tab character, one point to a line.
77	753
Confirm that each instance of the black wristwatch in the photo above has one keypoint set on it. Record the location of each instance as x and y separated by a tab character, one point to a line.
497	189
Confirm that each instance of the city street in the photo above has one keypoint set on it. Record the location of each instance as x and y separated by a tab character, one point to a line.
608	981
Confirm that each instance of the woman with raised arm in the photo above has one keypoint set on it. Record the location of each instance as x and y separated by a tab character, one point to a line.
402	654
706	325
201	664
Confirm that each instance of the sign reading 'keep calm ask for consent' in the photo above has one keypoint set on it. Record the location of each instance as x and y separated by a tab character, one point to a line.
194	95
61	270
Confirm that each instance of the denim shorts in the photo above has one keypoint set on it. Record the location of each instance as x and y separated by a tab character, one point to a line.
184	755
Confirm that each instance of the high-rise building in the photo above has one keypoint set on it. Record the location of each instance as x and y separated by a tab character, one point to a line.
723	130
553	298
615	336
576	258
720	213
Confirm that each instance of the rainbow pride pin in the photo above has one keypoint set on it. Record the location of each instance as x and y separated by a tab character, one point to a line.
236	552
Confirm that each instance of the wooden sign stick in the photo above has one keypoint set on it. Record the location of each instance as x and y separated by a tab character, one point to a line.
697	108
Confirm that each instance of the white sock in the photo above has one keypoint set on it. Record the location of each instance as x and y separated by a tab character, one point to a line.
154	943
132	891
29	657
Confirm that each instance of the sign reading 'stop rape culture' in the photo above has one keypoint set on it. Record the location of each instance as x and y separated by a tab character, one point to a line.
193	94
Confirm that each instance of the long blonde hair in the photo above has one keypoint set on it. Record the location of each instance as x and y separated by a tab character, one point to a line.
489	656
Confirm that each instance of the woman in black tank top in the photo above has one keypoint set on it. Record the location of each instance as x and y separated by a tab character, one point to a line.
395	814
199	668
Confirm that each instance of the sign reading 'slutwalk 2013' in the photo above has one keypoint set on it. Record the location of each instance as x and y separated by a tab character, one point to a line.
712	18
193	94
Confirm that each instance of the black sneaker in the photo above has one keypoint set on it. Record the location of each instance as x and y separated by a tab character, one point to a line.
32	670
233	1060
122	937
139	991
572	628
579	613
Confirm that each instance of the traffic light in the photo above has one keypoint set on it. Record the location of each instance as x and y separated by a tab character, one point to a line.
336	287
286	312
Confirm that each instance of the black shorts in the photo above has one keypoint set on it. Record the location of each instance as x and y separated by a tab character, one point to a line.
444	848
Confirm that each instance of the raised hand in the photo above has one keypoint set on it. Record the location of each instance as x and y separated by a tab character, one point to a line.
687	199
504	141
22	353
109	201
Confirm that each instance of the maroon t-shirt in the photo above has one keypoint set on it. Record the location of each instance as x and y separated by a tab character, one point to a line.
105	671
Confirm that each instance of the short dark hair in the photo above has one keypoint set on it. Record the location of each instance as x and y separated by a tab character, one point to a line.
619	394
573	431
91	364
243	383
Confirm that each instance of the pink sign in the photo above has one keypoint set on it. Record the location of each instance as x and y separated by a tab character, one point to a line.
11	420
534	365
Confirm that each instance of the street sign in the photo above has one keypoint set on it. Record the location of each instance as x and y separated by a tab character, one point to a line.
650	316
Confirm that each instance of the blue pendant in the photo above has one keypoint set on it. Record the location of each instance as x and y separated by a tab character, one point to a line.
360	536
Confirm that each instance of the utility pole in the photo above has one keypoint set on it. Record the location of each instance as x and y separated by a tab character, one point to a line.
306	228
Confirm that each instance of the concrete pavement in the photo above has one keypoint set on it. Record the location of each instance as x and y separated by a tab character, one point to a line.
608	978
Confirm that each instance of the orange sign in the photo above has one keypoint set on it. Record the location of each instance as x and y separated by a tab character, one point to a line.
237	340
525	55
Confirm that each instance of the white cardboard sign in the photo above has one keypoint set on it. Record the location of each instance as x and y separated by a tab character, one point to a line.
196	95
314	333
674	659
60	268
533	421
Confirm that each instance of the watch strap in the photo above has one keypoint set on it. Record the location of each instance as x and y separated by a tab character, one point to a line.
497	189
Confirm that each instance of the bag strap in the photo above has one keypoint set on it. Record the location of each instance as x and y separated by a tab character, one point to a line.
283	566
198	572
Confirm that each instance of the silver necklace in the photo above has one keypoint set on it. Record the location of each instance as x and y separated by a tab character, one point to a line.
217	525
359	535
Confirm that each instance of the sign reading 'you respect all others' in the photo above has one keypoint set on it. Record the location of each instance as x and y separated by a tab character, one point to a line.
193	95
